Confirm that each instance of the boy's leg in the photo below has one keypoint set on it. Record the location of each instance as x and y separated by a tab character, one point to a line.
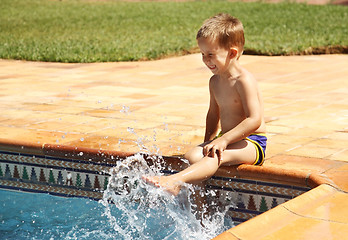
195	154
235	154
173	183
195	173
242	152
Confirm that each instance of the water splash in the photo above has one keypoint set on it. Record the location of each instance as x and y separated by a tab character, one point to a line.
137	210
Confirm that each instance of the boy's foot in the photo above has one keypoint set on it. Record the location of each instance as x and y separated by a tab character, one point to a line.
165	182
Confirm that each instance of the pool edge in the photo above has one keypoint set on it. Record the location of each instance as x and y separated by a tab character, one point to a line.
290	216
296	177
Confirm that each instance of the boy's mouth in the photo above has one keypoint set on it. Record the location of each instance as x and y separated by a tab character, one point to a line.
212	67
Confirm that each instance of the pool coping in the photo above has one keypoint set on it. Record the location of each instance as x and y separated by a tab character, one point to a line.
277	175
301	178
284	218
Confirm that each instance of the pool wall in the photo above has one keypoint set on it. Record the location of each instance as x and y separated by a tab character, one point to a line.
82	172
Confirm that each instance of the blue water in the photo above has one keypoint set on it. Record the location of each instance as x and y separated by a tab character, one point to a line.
42	216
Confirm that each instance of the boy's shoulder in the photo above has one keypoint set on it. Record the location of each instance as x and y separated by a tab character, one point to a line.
246	76
213	80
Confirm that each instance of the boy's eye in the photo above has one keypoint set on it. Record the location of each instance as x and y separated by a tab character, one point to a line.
209	54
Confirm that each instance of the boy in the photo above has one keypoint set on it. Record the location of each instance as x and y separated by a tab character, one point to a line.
235	102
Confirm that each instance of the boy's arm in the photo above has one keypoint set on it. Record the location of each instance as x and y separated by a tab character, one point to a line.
213	116
248	93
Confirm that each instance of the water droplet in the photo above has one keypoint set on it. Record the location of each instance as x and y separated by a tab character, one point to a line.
166	127
131	130
125	110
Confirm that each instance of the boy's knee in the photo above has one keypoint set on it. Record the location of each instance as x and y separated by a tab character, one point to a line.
188	157
192	156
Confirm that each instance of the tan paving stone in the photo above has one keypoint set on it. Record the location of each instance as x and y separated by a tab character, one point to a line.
305	101
121	133
330	143
304	131
290	140
301	163
312	151
339	176
340	155
274	149
338	136
278	129
104	143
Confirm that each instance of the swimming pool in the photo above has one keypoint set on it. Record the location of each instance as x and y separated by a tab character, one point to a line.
129	209
144	214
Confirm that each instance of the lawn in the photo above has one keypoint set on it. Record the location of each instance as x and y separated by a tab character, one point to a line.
98	31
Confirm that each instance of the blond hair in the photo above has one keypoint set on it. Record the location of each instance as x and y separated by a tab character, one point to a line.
226	30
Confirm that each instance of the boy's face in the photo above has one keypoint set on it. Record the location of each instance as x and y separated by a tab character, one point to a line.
216	58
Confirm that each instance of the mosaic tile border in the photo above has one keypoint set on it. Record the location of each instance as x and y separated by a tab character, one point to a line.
88	179
250	197
57	191
53	175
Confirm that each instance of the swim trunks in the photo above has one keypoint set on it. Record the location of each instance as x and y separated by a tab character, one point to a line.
260	141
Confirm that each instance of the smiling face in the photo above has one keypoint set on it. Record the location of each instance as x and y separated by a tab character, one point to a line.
216	58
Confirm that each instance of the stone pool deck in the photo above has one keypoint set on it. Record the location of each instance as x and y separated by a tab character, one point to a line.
160	106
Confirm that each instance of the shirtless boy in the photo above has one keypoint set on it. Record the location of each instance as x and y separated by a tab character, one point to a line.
235	103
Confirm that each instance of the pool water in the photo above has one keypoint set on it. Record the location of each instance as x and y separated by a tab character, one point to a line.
130	209
41	216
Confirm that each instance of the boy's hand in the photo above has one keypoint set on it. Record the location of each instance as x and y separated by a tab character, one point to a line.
215	148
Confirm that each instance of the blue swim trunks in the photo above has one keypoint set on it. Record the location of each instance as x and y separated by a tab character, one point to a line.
260	141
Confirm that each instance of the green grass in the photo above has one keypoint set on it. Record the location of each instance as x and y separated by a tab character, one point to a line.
95	31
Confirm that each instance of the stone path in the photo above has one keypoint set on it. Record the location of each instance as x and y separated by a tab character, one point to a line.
161	105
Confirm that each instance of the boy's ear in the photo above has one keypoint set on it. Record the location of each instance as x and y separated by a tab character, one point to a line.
233	52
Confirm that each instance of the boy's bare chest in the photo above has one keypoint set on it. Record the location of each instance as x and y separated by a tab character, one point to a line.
227	96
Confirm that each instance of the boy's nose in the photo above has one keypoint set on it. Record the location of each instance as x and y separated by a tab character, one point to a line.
206	59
